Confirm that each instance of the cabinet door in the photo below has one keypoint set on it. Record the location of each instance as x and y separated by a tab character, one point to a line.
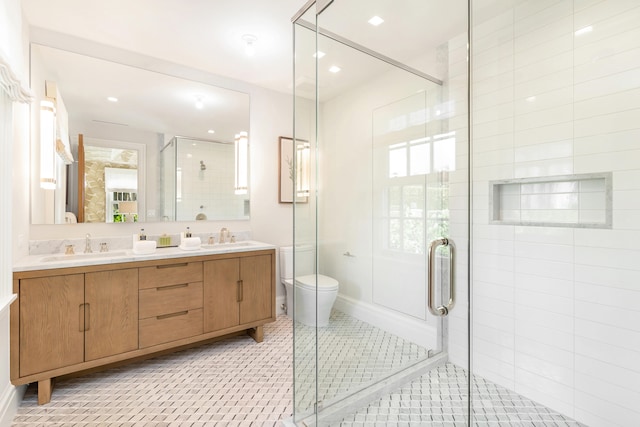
51	323
111	319
221	294
257	297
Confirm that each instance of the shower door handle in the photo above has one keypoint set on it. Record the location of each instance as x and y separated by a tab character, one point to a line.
442	310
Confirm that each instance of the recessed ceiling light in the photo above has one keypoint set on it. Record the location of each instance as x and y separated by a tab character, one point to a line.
319	54
334	69
249	44
530	98
199	103
112	99
375	21
211	131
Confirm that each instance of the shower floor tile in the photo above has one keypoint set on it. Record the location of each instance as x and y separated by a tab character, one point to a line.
438	398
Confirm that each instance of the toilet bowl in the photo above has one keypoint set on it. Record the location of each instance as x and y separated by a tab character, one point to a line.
308	287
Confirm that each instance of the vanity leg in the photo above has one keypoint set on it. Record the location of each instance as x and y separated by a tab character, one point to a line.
45	387
256	333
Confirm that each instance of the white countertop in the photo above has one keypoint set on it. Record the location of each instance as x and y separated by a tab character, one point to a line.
51	261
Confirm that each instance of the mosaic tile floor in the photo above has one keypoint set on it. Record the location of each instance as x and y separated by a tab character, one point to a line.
237	382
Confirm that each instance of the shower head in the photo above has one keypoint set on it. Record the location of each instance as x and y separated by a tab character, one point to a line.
202	165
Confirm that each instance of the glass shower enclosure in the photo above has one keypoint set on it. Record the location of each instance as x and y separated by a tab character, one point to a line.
474	179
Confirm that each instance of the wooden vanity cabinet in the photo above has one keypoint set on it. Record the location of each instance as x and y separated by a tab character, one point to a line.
237	291
68	320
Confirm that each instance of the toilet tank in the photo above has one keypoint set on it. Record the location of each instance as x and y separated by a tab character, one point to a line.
305	261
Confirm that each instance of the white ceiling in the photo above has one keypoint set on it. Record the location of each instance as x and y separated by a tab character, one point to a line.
207	34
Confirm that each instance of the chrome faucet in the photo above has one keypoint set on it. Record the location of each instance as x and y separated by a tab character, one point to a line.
223	235
87	244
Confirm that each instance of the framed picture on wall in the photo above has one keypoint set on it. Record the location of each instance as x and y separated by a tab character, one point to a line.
286	173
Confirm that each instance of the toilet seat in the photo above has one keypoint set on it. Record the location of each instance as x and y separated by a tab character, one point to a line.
325	283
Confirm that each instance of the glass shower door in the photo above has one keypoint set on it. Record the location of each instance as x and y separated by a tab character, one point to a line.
387	179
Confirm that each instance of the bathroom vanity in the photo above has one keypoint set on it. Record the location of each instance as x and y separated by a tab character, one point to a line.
82	313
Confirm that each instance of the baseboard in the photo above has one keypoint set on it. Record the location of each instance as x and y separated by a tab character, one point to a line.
9	403
393	322
281	301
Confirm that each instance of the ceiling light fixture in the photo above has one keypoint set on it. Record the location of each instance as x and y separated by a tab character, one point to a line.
249	44
211	131
375	21
334	69
199	103
112	99
319	54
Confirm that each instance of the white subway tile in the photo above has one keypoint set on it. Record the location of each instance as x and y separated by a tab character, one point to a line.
607	257
498	262
533	15
491	275
544	101
626	200
550	235
627	180
547	83
561	44
544	251
610	296
607	334
609	104
608	315
547	319
499	352
606	391
493	320
550	393
550	216
607	162
549	336
496	127
603	29
492	369
493	113
549	167
551	116
605	275
493	336
539	135
597	412
502	95
543	302
602	86
625	380
535	347
551	287
604	10
612	239
492	82
626	220
549	150
554	30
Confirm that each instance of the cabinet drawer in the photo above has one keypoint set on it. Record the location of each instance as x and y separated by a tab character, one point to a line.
170	274
170	299
170	327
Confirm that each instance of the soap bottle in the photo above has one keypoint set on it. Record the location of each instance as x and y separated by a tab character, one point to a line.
142	236
188	233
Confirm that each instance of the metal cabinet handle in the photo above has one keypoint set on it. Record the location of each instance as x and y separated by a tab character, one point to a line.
240	291
442	310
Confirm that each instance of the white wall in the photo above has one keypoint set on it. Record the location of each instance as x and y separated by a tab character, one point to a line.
13	37
556	309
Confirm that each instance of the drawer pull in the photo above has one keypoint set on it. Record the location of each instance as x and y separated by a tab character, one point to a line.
182	264
166	316
87	317
81	318
166	288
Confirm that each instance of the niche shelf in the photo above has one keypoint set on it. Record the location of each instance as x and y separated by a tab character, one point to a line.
582	200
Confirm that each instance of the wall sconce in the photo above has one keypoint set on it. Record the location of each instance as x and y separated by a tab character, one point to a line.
303	152
47	145
242	163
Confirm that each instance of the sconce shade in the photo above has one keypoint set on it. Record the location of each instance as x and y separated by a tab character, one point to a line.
242	163
303	152
47	145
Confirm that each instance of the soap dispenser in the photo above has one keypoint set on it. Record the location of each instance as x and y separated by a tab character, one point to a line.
188	233
142	236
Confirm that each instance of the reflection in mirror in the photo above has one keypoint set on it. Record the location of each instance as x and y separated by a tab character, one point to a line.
117	107
199	178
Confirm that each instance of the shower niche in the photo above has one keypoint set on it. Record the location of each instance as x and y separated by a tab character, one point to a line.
198	181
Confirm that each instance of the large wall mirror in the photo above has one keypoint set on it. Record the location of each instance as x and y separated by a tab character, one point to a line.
114	143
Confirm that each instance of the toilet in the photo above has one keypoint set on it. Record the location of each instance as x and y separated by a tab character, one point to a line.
327	287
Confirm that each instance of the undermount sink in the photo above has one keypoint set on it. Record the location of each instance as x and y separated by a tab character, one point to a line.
81	256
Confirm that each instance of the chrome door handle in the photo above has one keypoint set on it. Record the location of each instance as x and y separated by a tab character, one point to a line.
442	310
